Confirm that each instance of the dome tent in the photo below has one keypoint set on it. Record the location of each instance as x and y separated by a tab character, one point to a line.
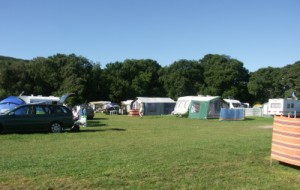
10	103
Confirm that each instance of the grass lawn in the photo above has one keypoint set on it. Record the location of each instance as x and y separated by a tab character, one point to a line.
155	152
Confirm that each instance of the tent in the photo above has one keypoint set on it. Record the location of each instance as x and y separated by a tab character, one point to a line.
206	107
10	103
183	104
153	106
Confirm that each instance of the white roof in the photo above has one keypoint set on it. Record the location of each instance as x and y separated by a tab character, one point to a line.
232	101
155	100
199	98
100	102
127	102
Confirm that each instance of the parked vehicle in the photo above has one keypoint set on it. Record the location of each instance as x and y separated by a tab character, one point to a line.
37	117
285	107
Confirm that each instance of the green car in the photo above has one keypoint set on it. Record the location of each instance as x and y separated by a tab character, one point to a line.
37	117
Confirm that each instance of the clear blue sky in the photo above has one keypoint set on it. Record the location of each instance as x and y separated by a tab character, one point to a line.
260	33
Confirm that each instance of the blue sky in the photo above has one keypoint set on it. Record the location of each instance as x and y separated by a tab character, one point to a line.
259	33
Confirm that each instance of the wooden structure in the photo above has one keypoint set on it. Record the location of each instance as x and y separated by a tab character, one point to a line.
286	140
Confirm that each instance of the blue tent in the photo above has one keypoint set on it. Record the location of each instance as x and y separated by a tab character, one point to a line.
10	103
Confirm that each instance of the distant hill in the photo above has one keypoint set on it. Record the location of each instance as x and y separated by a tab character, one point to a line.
11	59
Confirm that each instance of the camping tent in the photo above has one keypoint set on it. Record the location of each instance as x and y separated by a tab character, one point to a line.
10	103
183	104
206	107
154	106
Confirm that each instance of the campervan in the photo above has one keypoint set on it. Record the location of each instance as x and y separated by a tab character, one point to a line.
285	107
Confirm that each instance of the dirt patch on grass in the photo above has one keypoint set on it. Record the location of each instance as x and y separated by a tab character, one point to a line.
266	127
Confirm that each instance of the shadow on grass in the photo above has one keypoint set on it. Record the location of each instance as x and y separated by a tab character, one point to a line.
97	119
87	129
96	124
99	130
290	165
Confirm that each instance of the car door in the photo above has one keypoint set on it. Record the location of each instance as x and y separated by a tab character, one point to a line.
20	119
40	118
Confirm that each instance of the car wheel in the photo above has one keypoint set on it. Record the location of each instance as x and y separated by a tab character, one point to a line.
56	127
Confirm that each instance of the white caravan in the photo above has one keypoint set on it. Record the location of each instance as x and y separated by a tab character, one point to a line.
285	107
234	103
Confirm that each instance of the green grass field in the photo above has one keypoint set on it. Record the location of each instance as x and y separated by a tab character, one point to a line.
162	152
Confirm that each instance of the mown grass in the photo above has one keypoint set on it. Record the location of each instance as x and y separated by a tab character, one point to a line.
159	152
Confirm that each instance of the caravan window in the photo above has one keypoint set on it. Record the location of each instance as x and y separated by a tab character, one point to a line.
275	105
290	105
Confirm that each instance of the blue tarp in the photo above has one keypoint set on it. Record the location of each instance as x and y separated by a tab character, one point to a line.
232	114
10	103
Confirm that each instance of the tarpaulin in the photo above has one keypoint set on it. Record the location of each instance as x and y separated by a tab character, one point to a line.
232	114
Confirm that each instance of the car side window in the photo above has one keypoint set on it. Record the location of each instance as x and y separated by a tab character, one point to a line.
64	109
47	110
26	110
39	110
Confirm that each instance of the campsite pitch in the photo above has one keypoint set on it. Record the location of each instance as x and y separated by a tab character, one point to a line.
157	152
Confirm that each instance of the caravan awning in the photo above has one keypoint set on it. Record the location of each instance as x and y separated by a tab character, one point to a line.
155	100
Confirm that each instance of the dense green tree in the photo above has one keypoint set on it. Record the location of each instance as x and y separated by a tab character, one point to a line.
132	78
143	77
224	76
265	83
182	78
290	79
13	78
116	87
212	75
96	84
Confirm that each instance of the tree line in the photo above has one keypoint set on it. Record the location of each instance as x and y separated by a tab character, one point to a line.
217	75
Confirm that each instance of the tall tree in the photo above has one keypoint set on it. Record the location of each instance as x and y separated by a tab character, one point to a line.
13	78
182	78
224	76
265	83
132	78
